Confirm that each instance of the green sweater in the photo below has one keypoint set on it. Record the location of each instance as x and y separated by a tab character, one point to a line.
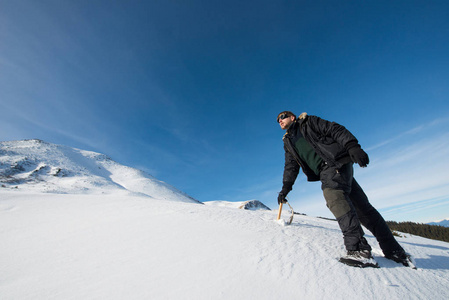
308	155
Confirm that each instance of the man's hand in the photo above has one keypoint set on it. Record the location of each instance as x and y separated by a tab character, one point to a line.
359	156
281	198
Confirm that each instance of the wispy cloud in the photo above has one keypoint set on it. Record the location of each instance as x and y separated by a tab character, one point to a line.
409	177
419	210
415	130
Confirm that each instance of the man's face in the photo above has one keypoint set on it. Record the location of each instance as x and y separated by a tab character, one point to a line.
285	123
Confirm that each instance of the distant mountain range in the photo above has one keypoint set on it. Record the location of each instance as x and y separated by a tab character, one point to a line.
444	223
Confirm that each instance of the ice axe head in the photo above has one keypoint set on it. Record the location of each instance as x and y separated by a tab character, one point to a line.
280	211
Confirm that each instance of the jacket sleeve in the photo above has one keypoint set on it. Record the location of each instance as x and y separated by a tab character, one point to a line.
335	131
291	170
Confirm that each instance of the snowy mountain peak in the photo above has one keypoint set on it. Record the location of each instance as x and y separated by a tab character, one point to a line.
40	166
254	205
248	205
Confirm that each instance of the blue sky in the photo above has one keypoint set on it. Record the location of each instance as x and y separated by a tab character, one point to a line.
189	90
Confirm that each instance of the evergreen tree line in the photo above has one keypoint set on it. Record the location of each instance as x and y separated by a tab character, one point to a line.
434	232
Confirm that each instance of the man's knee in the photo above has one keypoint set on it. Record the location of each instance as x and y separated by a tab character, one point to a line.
337	202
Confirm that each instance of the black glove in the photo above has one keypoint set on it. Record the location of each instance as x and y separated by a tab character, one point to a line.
358	155
281	197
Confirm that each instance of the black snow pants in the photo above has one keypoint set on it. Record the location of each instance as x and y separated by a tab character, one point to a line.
350	206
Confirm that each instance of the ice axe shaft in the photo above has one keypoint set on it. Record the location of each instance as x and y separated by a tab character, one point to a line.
280	211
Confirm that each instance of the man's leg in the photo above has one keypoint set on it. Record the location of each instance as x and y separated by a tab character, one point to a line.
338	204
336	186
372	220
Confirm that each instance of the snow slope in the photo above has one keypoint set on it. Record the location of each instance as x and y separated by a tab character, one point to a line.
106	246
45	167
80	226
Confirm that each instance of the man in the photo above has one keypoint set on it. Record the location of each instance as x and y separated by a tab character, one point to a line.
326	152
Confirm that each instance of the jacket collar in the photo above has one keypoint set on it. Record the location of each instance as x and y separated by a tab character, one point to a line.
291	130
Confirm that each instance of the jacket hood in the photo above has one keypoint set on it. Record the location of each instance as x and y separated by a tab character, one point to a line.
302	116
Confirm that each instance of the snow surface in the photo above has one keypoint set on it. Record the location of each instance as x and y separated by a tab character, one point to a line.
99	240
133	247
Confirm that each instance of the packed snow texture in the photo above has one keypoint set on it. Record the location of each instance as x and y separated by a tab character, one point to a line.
103	243
133	247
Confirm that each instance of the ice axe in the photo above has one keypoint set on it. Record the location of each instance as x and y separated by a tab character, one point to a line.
280	211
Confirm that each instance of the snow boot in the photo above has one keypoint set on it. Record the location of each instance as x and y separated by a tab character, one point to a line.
359	258
402	257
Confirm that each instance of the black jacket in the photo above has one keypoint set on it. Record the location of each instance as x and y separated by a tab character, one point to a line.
330	140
